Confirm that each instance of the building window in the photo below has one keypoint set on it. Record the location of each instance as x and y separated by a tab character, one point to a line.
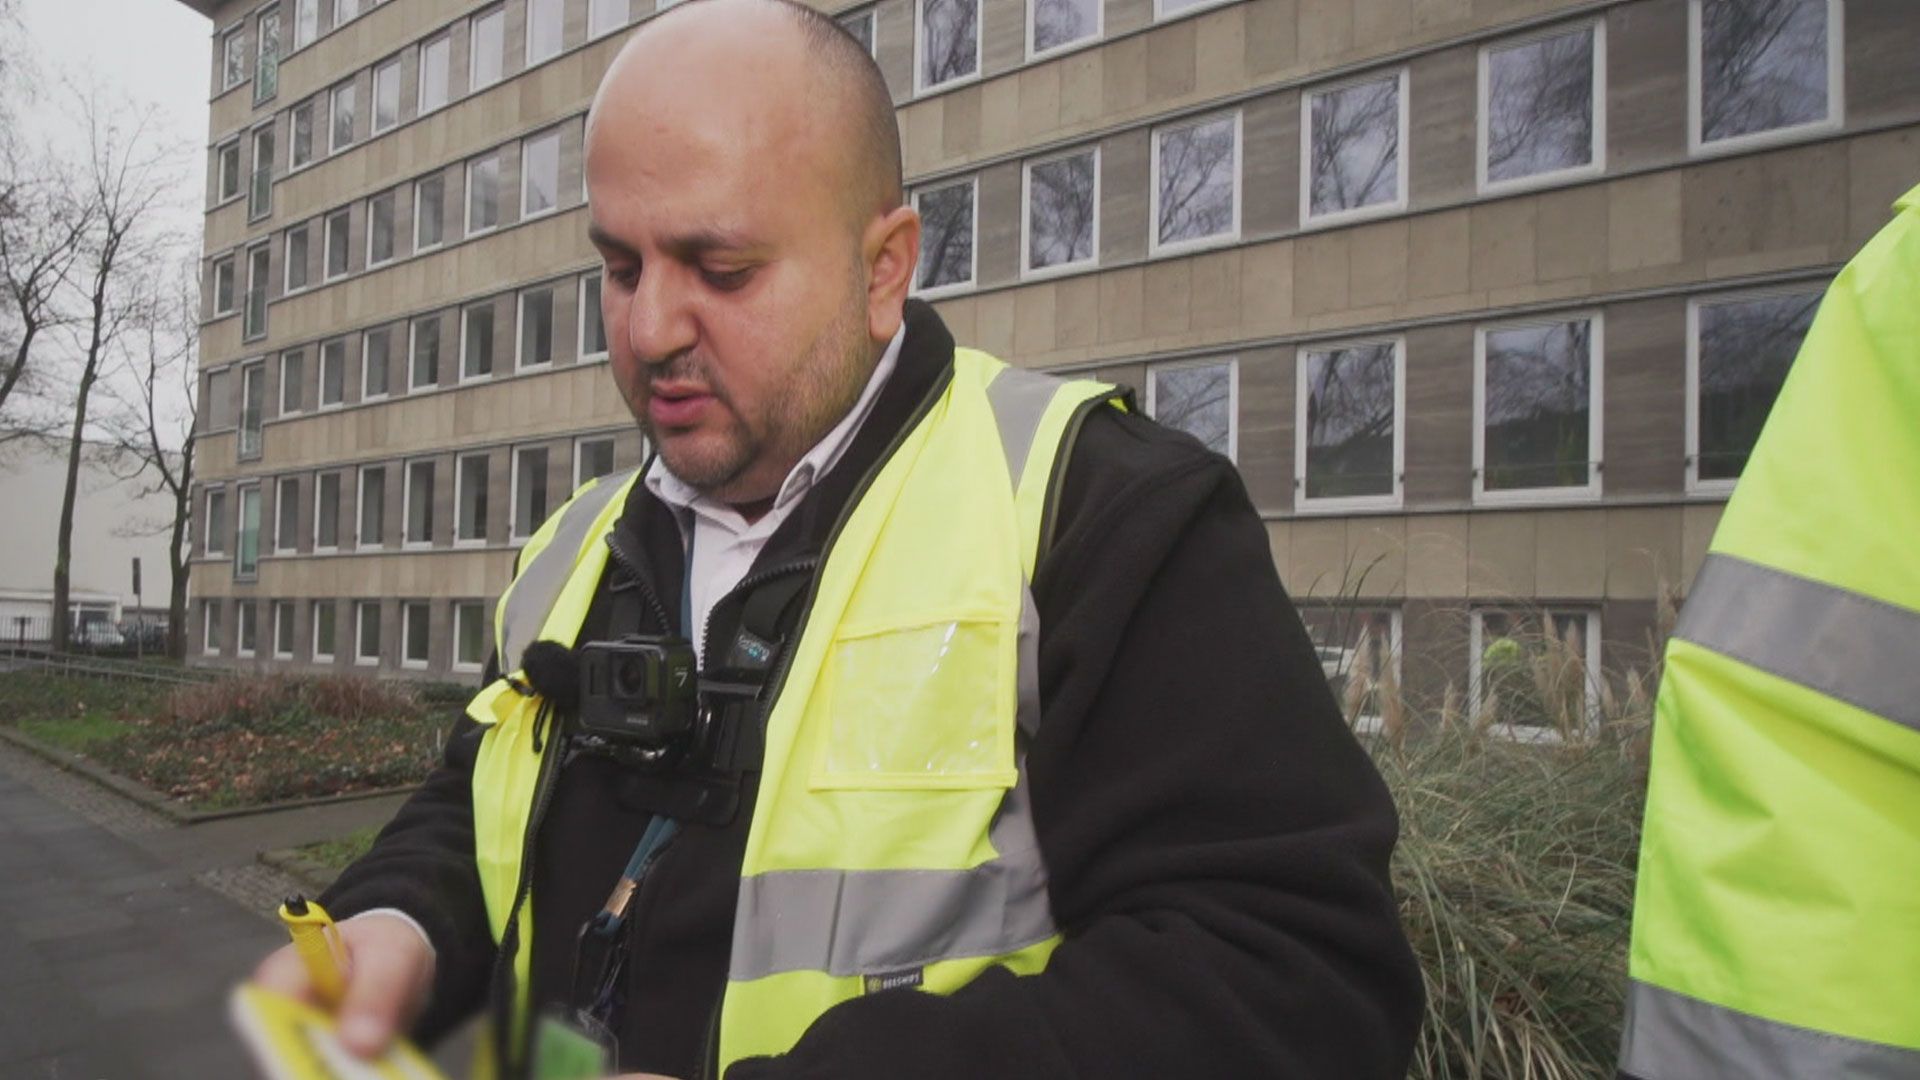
386	95
1738	353
436	83
286	515
260	191
424	347
294	252
1532	675
223	285
300	150
1542	107
592	458
1762	70
545	27
419	503
860	25
253	407
1166	9
529	490
254	319
375	348
219	399
469	635
1196	184
593	332
415	634
429	211
266	72
1062	199
1053	25
233	59
1354	156
215	532
483	194
947	35
333	372
1348	450
487	49
323	631
345	11
1199	399
470	499
246	560
337	224
1537	410
536	328
946	236
306	22
605	16
366	632
380	227
371	509
540	174
341	116
476	342
1359	650
229	169
210	635
293	370
326	512
247	633
282	630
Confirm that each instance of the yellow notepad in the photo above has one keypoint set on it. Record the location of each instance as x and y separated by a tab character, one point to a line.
292	1040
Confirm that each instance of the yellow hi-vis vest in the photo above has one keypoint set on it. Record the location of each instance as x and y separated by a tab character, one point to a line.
892	842
1776	928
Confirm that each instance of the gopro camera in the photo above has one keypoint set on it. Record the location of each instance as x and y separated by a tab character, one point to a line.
642	692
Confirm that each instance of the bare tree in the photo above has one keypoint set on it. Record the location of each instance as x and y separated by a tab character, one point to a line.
1765	65
1540	106
946	241
1196	181
1062	208
124	183
1356	145
41	228
952	38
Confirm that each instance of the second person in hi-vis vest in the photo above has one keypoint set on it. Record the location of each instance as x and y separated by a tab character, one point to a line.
906	712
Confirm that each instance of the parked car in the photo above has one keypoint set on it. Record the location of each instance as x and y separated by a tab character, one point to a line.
99	635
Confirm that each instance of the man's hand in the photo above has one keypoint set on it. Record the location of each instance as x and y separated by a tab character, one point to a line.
389	969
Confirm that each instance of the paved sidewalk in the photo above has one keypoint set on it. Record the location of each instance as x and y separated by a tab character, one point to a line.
116	955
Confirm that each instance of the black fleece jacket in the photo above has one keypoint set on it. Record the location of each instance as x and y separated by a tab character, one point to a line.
1216	841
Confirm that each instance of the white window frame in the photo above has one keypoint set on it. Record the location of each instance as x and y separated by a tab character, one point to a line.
596	6
580	322
334	146
293	137
1026	216
282	650
360	508
407	542
261	131
418	247
1370	723
1099	31
498	11
560	10
499	171
326	244
339	479
214	535
298	409
365	394
461	359
1160	14
320	402
394	239
421	108
1155	248
1597	155
209	609
1588	492
871	14
391	64
231	261
408	610
581	441
1396	205
313	614
920	86
413	341
520	361
973	267
1233	392
1836	91
285	545
230	39
221	195
1477	645
1695	485
305	30
514	524
359	8
287	287
243	607
459	607
360	656
526	174
459	496
1347	503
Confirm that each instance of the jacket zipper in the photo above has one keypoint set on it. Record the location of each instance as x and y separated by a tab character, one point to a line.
625	561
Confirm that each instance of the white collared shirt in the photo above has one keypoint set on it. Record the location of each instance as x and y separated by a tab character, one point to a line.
726	544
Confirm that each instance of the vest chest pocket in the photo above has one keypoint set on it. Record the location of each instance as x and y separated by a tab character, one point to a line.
928	706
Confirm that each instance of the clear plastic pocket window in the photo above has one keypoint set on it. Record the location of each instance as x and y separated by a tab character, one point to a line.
924	706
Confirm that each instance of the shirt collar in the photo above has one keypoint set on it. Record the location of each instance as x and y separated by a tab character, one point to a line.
826	453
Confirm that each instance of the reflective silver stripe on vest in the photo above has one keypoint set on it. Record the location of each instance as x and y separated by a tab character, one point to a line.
859	922
538	585
1863	651
1019	399
1670	1036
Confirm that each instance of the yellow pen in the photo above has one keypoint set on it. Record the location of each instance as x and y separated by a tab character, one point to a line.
315	938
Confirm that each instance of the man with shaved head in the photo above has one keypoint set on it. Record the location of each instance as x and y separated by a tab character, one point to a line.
907	713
